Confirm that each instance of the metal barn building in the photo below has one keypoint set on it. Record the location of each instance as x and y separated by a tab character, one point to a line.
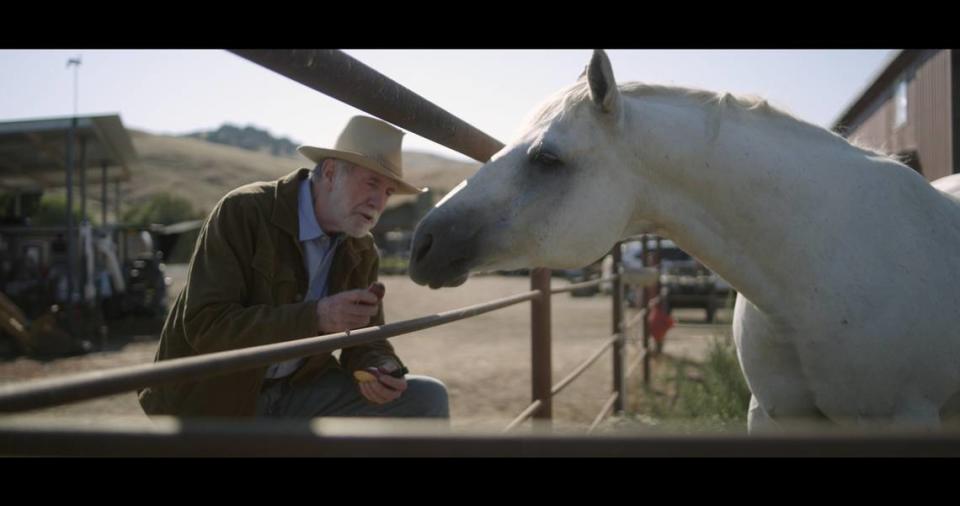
911	109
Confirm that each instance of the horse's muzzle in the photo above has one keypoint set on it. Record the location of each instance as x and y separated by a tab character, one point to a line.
442	252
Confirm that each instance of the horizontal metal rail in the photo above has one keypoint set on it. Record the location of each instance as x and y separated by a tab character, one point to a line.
522	417
607	406
533	407
565	382
584	284
353	438
637	318
45	393
338	75
584	365
580	369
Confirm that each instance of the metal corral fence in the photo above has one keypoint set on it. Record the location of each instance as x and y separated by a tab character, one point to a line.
28	439
342	77
46	393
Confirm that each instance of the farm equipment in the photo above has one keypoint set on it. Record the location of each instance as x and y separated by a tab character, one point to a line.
40	317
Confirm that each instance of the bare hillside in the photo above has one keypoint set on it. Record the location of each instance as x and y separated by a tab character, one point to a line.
202	171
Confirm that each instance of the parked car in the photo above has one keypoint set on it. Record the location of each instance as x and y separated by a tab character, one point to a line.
684	281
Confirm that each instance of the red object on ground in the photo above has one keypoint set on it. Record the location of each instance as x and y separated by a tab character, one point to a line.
660	322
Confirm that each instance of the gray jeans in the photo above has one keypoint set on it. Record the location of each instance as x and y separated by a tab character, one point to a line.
335	393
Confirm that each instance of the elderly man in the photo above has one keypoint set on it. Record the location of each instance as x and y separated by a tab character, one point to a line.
290	259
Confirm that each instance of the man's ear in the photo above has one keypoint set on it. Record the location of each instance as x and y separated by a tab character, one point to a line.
328	172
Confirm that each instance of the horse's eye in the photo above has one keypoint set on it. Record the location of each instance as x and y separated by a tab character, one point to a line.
546	158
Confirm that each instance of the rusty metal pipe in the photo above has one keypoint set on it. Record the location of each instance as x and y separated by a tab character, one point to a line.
346	79
603	411
52	392
524	415
583	366
584	284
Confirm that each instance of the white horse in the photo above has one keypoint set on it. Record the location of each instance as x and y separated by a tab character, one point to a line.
846	261
948	184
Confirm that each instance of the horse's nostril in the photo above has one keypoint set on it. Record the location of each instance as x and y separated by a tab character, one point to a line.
424	248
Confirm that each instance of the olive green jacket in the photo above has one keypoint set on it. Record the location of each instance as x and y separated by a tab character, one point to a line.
245	287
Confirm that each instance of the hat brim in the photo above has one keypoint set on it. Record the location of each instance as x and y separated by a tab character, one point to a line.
317	155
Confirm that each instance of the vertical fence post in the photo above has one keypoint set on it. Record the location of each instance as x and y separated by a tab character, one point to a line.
540	343
71	228
103	193
619	385
644	302
658	287
83	183
116	201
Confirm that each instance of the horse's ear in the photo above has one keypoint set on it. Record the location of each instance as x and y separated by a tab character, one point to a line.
603	87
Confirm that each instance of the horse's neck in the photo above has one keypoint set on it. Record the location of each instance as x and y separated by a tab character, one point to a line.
745	199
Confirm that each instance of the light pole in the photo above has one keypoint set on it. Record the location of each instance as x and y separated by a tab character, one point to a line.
75	62
71	239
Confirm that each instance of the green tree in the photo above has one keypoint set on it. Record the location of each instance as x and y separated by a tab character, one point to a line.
52	212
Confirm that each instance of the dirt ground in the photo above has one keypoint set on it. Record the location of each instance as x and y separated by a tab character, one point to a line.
484	361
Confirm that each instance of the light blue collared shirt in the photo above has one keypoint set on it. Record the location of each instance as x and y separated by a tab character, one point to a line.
318	247
318	251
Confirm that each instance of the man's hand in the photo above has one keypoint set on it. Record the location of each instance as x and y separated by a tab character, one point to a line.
347	310
385	387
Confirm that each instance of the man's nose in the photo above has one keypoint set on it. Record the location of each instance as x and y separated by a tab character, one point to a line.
379	200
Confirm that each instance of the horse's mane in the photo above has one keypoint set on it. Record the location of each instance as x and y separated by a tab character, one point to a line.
566	99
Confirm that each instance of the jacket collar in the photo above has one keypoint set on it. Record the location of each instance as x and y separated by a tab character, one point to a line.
286	217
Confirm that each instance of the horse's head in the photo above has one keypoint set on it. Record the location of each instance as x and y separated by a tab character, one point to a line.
558	196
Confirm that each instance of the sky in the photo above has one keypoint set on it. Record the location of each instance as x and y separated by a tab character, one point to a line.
183	91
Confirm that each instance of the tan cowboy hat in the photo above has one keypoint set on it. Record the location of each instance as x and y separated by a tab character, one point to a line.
370	143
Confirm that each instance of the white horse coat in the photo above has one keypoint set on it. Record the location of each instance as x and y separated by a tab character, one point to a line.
846	261
949	185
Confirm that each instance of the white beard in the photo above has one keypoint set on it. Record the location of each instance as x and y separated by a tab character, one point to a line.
338	207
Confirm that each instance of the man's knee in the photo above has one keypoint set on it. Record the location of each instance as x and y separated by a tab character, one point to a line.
429	396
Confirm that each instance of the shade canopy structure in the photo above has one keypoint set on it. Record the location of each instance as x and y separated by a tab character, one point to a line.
41	154
34	152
